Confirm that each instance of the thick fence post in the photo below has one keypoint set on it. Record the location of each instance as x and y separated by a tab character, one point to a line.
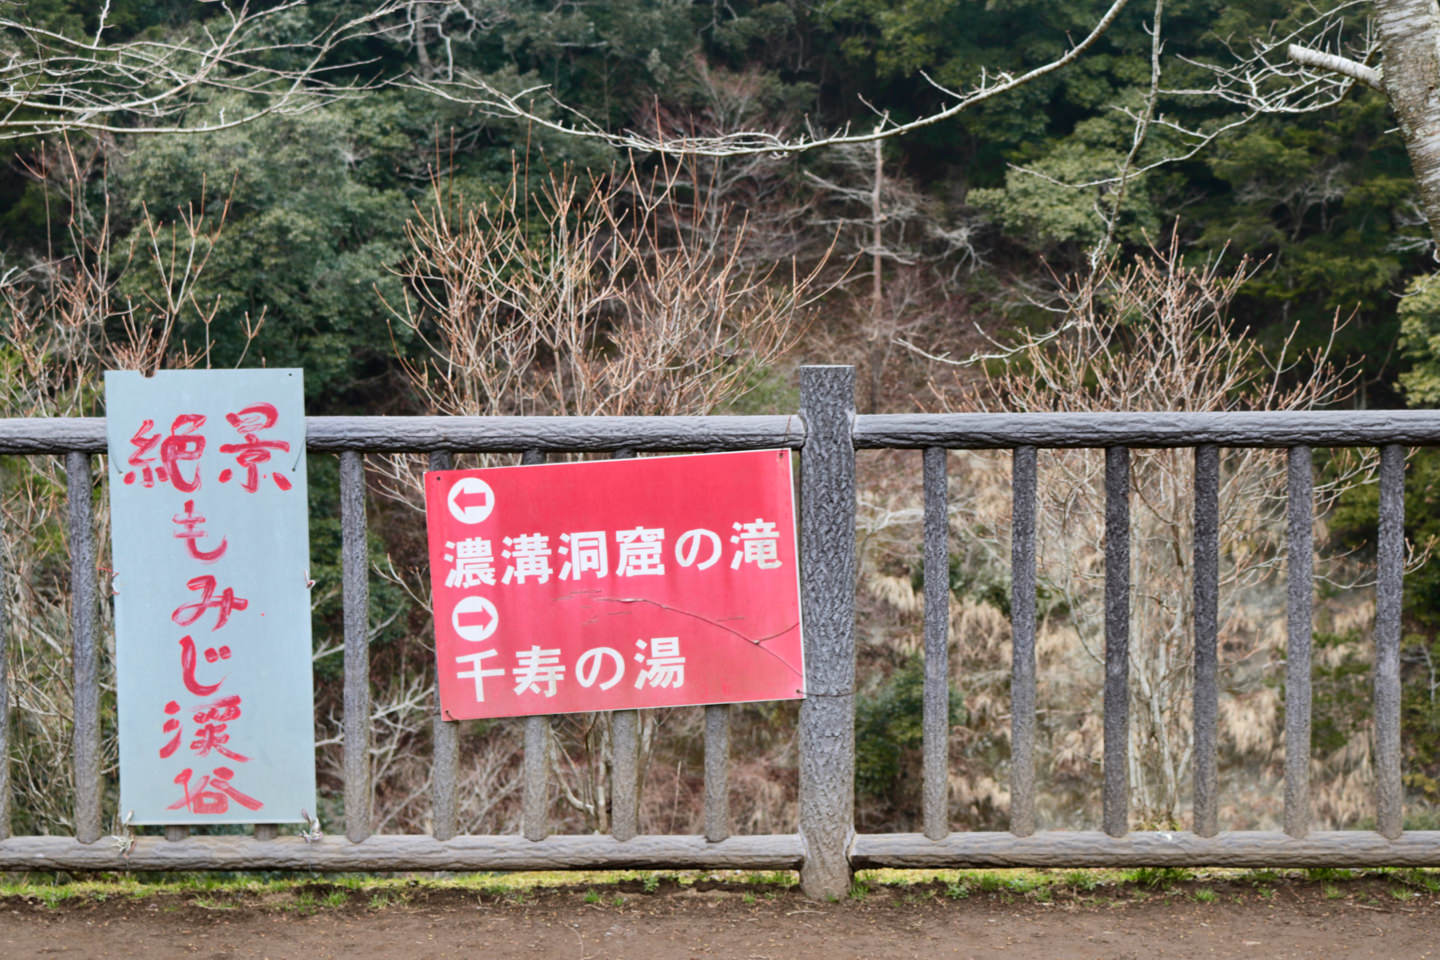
85	649
355	576
827	590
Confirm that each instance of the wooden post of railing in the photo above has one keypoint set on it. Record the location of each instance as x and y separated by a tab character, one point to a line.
1206	591
85	650
355	584
1116	813
1389	787
4	703
717	772
827	586
625	758
445	756
1300	590
1022	646
936	719
535	796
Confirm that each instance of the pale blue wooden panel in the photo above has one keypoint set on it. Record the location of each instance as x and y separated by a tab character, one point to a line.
248	482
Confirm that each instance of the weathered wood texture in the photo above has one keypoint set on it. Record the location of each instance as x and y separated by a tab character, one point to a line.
1022	647
85	649
1389	786
4	693
391	852
1207	593
974	431
462	434
445	736
535	785
1116	803
988	431
1300	589
717	772
1092	848
512	434
935	720
1415	848
624	755
827	595
355	577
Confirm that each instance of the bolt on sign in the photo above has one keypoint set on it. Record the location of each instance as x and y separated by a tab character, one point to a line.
211	550
615	584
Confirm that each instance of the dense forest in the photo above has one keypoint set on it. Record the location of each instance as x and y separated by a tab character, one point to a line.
458	207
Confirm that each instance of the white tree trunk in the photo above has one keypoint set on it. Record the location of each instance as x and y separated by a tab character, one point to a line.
1409	32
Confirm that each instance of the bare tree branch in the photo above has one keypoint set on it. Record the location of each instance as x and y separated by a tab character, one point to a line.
472	90
1370	76
51	82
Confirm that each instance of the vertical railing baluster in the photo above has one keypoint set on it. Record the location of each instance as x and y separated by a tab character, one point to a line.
86	652
1022	647
445	734
717	772
1206	545
1116	814
355	571
1300	590
625	774
936	713
175	832
625	759
827	587
265	832
535	801
1389	788
4	691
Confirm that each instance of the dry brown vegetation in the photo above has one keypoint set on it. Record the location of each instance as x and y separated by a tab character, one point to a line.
650	293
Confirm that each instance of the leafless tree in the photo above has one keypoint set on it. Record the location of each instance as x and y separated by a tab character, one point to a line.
594	295
537	105
63	321
52	81
1317	62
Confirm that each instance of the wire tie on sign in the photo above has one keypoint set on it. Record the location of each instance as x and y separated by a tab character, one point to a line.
309	584
124	839
313	832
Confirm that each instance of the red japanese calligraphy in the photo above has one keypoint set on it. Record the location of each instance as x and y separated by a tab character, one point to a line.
188	664
142	457
171	726
213	794
212	736
191	533
184	444
222	710
225	604
253	452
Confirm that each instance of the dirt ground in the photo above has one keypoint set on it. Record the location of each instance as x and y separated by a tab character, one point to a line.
1371	918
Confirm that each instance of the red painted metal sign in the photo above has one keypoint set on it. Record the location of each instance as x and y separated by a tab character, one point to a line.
613	585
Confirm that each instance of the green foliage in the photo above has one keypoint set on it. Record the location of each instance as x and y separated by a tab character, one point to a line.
889	734
1419	313
314	229
1340	691
1353	525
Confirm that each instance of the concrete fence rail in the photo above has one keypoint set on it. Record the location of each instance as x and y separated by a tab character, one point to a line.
825	847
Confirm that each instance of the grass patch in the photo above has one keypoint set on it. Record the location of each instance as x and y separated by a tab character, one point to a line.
1159	878
309	893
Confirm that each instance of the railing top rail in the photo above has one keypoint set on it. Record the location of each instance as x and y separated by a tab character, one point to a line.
1268	428
462	434
976	431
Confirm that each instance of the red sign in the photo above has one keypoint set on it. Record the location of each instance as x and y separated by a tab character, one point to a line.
616	584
